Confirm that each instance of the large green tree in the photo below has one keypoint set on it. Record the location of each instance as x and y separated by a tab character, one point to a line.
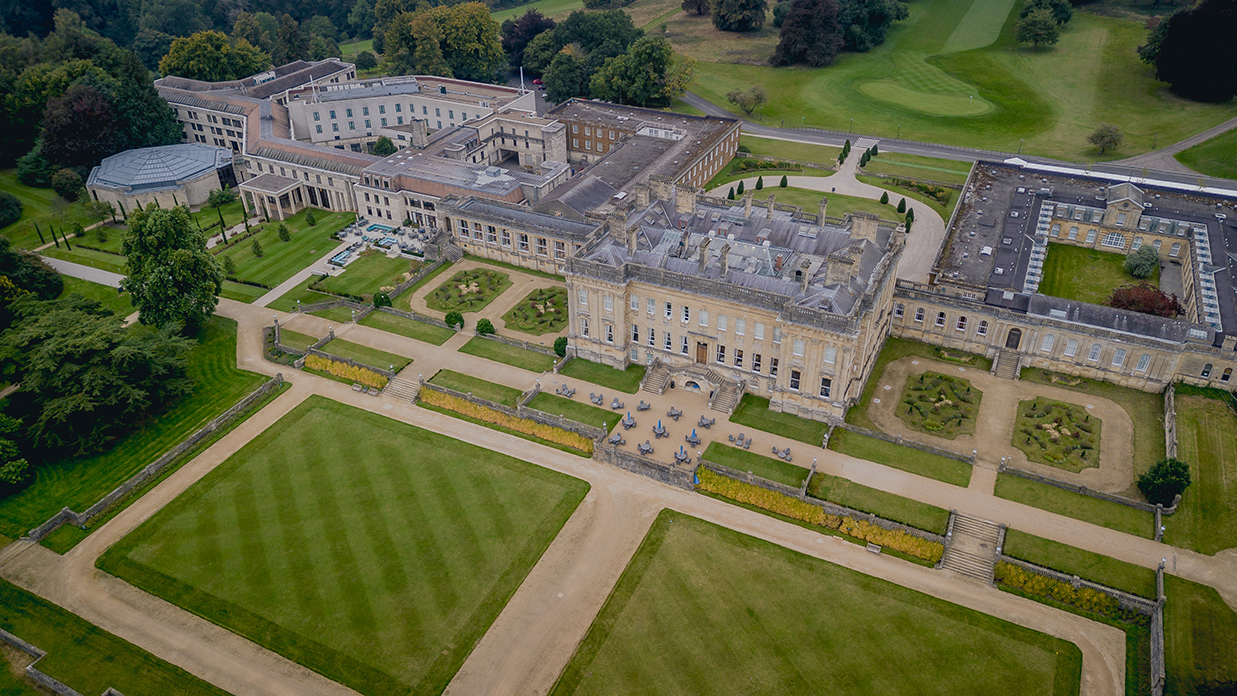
80	128
1062	11
28	272
1038	28
211	56
739	15
84	377
290	43
1192	51
637	77
517	33
566	77
810	34
866	22
172	278
454	41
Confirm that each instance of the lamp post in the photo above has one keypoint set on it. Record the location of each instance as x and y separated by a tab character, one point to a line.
1020	146
852	125
899	131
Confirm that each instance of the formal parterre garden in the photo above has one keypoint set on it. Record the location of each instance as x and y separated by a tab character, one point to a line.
468	291
543	311
371	551
1057	434
939	404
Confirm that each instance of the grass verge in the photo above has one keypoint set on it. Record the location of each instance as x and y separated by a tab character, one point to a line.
467	384
364	354
408	328
626	380
1081	507
1206	521
1085	564
753	412
1200	640
934	466
511	355
765	467
888	505
576	411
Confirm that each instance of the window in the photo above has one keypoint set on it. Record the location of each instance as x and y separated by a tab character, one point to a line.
1174	249
794	380
506	237
1121	219
635	354
650	306
1071	348
425	110
523	242
666	342
777	335
365	111
721	354
738	358
609	333
334	127
1094	355
756	362
704	317
583	296
759	332
491	236
1156	245
961	325
1113	239
721	322
1144	361
348	112
1138	243
982	329
317	116
1073	233
1227	374
669	310
560	250
1091	236
899	309
773	366
398	107
635	333
332	114
683	346
798	347
1078	214
635	303
584	326
686	314
1056	230
437	112
652	336
919	315
831	355
318	129
384	122
1206	371
352	125
399	120
607	302
826	386
1118	358
940	318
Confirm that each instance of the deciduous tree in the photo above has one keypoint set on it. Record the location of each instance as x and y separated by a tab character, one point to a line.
1164	481
1145	298
697	7
739	15
1143	263
1062	11
28	272
517	33
1106	137
80	128
1192	51
172	278
748	100
290	43
638	77
810	34
1039	28
210	56
383	147
566	77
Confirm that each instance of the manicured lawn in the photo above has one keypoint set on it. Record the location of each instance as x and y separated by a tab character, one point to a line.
702	609
541	312
365	354
233	215
281	260
772	175
758	464
84	657
1057	434
241	292
896	349
1146	410
468	291
351	49
1086	275
1081	507
915	461
294	339
498	393
899	191
1206	521
784	149
892	507
371	551
42	207
79	482
102	260
940	405
1085	564
898	165
288	301
512	267
410	328
576	411
512	355
809	201
368	274
549	8
339	315
1200	639
753	411
1215	157
109	297
626	381
953	73
103	238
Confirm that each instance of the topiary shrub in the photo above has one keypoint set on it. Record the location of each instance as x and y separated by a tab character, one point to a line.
884	198
366	61
560	346
310	219
381	299
1164	481
782	183
484	327
67	183
454	319
730	196
10	209
760	183
739	191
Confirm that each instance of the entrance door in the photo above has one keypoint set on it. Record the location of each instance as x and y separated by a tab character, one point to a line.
1013	339
702	353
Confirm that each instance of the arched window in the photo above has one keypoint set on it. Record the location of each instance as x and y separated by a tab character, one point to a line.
899	309
1046	344
1090	236
1144	361
1073	232
1156	245
1096	349
1206	371
1118	358
1138	242
1175	249
1227	374
982	329
961	324
1071	348
1056	230
940	318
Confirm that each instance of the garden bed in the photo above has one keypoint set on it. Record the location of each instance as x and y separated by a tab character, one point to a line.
543	311
939	405
1057	434
468	291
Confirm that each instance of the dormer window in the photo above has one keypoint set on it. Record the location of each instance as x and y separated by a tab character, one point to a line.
1121	219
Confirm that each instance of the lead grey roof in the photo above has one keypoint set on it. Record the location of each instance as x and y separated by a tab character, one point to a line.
158	167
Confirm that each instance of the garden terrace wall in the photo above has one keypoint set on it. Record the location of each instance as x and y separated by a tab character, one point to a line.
1127	601
1083	490
518	343
591	432
675	475
156	467
417	317
898	440
801	164
830	508
417	278
1170	421
361	309
39	677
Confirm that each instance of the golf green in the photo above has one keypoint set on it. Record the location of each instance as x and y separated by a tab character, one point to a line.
706	610
371	551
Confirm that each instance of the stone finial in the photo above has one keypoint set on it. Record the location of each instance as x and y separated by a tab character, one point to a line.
725	258
770	203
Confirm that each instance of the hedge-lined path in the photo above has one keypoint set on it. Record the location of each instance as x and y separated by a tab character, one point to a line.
997	418
582	578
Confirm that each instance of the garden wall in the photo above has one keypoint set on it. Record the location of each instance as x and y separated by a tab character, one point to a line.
1083	490
519	344
591	432
417	317
898	440
1170	421
39	677
417	278
681	476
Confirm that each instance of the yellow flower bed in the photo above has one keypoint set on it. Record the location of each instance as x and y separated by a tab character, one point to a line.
545	432
345	371
1084	598
801	510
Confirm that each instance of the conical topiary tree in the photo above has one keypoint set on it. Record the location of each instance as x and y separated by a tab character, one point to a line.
257	249
901	205
730	196
739	191
884	198
875	150
782	184
760	183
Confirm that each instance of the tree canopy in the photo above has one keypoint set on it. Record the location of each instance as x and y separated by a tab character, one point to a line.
28	272
211	56
1164	481
172	278
1038	28
1062	11
1192	51
384	147
458	41
1145	298
1142	263
739	15
516	33
1106	137
639	76
810	34
865	23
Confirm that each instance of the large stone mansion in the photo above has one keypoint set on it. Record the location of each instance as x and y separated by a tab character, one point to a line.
750	297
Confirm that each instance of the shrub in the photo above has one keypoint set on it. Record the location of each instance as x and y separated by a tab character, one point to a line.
1145	298
101	234
257	249
285	234
1164	480
560	346
782	183
884	198
310	219
78	230
366	61
345	371
381	299
739	191
34	170
454	319
14	473
729	196
67	183
545	432
229	266
760	183
484	327
1143	263
10	209
901	205
1083	598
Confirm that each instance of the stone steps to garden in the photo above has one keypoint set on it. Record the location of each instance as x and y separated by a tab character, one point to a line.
971	547
453	253
1006	365
725	398
402	389
655	380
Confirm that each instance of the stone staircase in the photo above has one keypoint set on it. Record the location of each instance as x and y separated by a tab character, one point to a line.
1006	364
656	378
452	252
402	389
725	398
971	547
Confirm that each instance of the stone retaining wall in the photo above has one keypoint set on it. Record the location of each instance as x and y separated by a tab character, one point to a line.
536	348
1083	490
681	476
417	278
417	317
592	432
1170	421
898	440
39	677
1127	601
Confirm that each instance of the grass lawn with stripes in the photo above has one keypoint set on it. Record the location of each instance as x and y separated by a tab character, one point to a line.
705	610
515	356
368	550
1207	519
409	328
281	260
112	298
365	354
41	206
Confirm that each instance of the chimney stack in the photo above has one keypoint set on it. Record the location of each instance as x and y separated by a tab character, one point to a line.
863	226
770	201
642	195
839	269
704	254
725	260
684	199
803	274
747	204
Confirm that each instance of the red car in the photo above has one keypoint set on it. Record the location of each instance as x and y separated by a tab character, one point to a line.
537	81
